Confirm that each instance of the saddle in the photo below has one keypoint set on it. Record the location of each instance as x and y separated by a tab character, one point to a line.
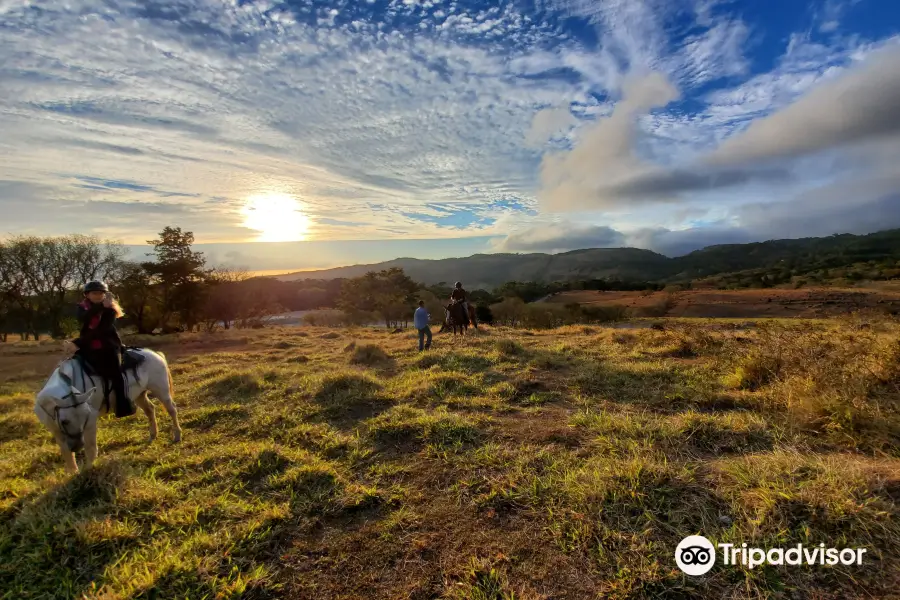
131	360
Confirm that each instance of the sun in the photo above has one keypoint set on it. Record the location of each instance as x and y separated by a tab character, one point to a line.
277	218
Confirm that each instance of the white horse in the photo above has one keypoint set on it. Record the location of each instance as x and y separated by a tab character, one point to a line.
71	415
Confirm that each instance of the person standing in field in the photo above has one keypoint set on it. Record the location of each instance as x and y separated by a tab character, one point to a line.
420	321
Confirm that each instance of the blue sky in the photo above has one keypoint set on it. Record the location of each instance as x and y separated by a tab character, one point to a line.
431	129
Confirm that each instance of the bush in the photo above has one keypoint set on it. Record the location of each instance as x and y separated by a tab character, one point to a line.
483	314
368	354
509	312
603	314
338	318
325	318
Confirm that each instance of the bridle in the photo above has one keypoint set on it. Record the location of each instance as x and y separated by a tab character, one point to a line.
75	402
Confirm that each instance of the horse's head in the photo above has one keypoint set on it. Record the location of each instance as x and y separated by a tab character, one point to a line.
72	416
68	407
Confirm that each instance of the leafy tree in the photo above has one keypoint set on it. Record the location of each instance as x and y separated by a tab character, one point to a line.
389	292
483	314
509	312
179	275
134	288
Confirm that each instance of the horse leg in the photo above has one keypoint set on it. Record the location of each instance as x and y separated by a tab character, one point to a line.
90	442
67	455
143	402
164	392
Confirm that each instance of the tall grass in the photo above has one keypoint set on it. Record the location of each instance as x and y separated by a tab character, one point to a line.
566	462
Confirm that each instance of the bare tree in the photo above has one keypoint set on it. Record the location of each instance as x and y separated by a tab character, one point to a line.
41	275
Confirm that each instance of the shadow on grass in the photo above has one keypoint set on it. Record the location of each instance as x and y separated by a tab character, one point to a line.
18	427
45	521
409	429
207	419
348	398
455	361
659	390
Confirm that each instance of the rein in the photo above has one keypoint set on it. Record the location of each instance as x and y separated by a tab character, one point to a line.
70	396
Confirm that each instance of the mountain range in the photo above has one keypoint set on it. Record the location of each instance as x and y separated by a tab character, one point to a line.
487	271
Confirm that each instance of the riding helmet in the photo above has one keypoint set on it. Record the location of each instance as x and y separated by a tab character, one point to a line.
95	286
458	284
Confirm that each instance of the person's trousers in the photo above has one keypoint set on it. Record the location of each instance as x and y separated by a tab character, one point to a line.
108	363
425	333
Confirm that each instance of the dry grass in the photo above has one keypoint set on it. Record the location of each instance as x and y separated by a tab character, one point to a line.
510	464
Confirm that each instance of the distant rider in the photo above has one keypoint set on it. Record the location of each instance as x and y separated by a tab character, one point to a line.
460	295
99	341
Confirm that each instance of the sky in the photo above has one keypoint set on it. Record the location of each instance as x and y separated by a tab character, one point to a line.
300	134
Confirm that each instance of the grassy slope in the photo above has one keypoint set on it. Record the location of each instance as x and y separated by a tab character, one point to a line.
513	464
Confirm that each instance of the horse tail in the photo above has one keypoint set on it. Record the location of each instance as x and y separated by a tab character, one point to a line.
168	375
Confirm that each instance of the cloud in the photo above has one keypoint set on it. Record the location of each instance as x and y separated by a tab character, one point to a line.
831	13
547	123
434	112
862	104
858	206
561	237
603	171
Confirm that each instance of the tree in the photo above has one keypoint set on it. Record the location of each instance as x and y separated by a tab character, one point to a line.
134	288
483	314
42	276
433	304
390	293
509	312
225	298
178	274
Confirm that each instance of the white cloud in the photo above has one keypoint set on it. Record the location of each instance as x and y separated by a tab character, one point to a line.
430	104
862	104
547	123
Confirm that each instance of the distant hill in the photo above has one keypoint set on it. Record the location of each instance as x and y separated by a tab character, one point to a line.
490	270
787	257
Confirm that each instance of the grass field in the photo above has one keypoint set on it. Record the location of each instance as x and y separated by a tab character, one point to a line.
807	302
511	464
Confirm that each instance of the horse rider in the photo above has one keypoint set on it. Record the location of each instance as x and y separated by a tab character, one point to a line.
99	341
460	295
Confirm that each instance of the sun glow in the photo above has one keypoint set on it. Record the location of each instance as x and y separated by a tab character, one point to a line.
277	218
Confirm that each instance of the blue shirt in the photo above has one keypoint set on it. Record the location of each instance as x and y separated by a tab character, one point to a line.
420	320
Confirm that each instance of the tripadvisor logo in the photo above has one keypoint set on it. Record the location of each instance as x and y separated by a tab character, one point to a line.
695	555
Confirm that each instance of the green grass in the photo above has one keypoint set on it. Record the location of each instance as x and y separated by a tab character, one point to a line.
507	465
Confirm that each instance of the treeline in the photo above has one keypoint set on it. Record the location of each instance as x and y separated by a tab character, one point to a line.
833	259
41	279
798	277
174	290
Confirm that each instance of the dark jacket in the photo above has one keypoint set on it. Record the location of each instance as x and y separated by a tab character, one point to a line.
98	327
459	294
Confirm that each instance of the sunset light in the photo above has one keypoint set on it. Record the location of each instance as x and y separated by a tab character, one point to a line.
277	218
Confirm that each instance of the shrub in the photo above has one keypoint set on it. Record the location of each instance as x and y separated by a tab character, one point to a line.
483	314
368	354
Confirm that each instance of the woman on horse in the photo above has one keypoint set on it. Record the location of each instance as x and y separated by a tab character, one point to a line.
99	341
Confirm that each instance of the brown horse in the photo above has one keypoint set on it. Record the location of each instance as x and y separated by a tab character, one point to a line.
458	319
